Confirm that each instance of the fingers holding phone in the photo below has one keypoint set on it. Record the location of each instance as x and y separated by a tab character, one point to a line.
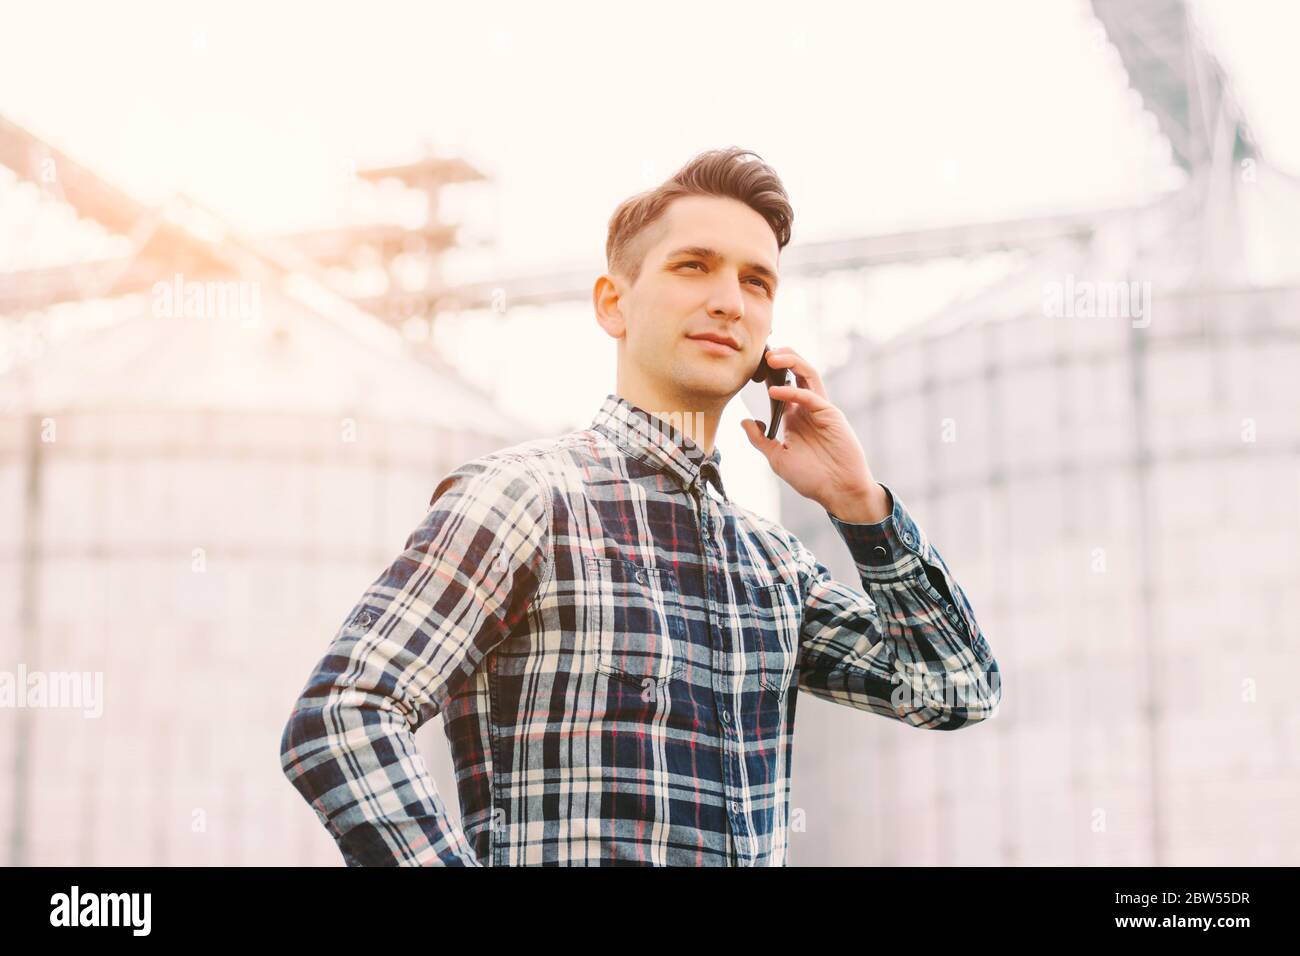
770	375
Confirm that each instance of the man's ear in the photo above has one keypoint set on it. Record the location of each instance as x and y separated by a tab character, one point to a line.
606	298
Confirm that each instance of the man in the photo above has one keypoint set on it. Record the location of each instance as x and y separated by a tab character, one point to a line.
615	646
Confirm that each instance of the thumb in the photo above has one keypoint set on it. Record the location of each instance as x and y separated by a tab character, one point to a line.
756	431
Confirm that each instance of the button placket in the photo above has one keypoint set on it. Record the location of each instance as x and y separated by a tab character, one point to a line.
731	773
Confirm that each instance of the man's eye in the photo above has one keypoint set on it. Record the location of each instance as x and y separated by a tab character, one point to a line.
761	283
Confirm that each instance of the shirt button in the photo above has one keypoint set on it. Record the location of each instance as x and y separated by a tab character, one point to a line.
640	576
726	716
907	538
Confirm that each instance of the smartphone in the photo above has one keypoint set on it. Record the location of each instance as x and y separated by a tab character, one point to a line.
771	376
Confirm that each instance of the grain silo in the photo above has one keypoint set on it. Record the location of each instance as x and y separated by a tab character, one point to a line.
1106	448
196	487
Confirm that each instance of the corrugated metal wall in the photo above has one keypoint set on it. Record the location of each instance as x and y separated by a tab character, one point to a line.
200	553
1123	508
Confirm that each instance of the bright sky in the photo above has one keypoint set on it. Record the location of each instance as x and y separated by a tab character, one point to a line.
876	115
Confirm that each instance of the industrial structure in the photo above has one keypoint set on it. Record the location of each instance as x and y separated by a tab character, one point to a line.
206	454
1105	443
1118	483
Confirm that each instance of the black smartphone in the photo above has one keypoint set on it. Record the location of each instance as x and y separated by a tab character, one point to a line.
771	376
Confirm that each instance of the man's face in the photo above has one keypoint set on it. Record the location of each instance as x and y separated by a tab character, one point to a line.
710	268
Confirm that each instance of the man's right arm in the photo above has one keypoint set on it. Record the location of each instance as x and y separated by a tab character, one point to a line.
463	580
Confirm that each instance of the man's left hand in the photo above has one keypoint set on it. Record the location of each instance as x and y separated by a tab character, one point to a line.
820	456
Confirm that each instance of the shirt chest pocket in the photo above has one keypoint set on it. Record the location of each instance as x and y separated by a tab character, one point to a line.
636	619
772	634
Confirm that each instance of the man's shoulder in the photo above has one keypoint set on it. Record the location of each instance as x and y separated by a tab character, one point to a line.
545	461
539	452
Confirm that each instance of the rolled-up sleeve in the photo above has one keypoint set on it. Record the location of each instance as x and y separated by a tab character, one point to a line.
462	582
905	645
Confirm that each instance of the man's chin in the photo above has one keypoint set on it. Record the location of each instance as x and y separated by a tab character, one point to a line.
712	389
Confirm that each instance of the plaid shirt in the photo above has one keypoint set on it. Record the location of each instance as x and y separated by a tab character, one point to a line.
615	650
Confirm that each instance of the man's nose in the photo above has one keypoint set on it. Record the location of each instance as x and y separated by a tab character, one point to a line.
726	299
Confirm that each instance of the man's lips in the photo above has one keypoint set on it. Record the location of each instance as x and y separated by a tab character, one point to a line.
719	339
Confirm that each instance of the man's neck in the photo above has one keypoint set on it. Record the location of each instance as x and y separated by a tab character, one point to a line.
698	422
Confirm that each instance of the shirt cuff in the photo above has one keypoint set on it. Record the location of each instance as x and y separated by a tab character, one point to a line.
882	550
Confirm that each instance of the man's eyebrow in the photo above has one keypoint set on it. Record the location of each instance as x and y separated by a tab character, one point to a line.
704	252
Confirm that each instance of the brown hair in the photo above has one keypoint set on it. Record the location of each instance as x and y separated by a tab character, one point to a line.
717	172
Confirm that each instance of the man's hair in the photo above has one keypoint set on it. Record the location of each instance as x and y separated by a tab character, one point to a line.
717	172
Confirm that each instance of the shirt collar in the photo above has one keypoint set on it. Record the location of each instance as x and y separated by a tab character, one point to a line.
658	442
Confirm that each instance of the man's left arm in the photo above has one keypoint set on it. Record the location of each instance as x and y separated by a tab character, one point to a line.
907	644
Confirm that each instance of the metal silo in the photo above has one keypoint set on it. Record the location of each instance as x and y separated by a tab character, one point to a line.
1118	489
199	475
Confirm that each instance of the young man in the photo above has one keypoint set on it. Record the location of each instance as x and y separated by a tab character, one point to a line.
615	646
